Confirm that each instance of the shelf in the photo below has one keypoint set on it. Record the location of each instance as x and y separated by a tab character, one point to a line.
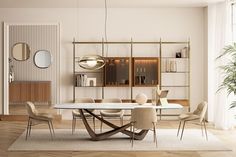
135	72
146	85
117	85
174	58
88	86
81	72
176	72
176	86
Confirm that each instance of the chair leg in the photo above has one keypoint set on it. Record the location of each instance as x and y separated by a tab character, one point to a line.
182	131
202	129
27	131
205	129
50	130
132	136
101	125
131	131
30	125
155	134
73	125
121	121
160	114
179	128
94	124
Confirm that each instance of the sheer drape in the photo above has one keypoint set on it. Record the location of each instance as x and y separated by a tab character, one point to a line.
219	35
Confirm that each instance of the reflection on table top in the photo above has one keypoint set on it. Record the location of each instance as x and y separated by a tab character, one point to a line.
107	106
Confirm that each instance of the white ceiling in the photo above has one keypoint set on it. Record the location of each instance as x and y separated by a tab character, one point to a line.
100	3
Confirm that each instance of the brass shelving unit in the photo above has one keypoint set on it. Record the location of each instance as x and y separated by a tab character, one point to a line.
132	43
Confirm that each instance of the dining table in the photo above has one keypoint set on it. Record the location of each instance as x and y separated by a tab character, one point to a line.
86	107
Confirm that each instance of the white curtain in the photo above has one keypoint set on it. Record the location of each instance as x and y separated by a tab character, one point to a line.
219	35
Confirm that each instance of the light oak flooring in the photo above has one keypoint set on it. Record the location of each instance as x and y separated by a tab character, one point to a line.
10	130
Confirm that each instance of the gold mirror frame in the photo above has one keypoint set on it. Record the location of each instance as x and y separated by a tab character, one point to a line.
20	51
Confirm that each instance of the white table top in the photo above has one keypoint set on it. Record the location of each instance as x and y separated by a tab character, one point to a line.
107	106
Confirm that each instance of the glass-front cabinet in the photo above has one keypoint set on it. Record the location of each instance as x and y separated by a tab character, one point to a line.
145	71
117	71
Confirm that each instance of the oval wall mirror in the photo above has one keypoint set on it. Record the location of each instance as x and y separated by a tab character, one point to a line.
21	51
42	59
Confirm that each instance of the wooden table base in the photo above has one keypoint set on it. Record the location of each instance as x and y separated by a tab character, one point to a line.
116	129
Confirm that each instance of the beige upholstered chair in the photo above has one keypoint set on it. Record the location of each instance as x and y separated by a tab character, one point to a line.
37	118
197	116
76	113
144	118
112	113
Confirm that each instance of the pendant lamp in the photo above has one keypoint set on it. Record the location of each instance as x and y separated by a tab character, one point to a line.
94	62
91	62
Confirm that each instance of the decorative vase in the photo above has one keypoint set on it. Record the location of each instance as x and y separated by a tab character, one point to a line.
141	98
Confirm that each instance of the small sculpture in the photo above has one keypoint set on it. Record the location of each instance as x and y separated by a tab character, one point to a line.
141	98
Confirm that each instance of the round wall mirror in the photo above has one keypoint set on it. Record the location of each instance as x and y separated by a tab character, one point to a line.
42	59
21	51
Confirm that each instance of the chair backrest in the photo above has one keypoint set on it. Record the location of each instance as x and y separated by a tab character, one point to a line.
144	117
201	110
32	111
85	100
113	100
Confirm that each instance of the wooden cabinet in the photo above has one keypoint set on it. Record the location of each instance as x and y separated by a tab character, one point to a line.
35	91
117	72
145	71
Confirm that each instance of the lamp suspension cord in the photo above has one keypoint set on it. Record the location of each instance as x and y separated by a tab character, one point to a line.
105	28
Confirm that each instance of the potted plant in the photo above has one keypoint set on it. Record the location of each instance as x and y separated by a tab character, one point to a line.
229	71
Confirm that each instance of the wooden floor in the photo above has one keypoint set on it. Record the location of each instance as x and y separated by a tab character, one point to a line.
10	130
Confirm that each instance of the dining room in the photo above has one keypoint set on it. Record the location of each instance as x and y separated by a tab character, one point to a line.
117	78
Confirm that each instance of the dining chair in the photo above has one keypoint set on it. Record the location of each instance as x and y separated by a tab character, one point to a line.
197	115
112	113
36	117
144	118
76	113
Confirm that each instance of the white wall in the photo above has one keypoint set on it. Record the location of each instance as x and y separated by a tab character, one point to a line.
142	24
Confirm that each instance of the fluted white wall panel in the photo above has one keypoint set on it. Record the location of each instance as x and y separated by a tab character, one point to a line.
38	37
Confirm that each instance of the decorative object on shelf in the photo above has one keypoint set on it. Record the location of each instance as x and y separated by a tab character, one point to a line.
91	82
173	66
156	95
184	52
43	59
167	65
178	55
21	51
91	62
141	98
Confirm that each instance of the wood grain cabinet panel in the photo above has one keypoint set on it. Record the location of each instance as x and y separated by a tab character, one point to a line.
35	91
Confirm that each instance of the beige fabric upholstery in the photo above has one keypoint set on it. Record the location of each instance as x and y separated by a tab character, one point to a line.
36	117
197	115
112	113
33	113
83	100
76	113
145	119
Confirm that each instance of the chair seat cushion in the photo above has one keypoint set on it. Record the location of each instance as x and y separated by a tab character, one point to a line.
188	116
44	116
106	113
76	113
